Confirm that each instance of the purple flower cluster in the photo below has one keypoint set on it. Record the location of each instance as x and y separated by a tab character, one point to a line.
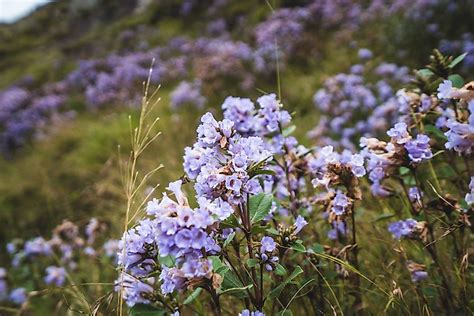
268	246
55	275
134	290
220	159
321	161
403	228
24	114
461	135
175	230
354	106
268	119
187	93
247	312
216	61
283	30
384	158
62	252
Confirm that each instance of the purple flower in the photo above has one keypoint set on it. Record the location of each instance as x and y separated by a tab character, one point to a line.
37	246
399	133
419	149
403	228
138	249
460	136
241	112
268	244
445	89
18	296
246	312
271	117
339	228
208	133
357	165
233	183
187	93
133	290
111	247
340	202
92	229
55	275
414	194
365	53
300	223
418	276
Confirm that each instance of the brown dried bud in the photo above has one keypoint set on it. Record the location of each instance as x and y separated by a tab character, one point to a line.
421	231
465	93
216	280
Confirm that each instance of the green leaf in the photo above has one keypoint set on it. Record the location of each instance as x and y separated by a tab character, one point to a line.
272	231
403	171
457	60
252	262
231	281
289	130
277	291
457	80
286	312
259	229
298	247
318	248
230	222
431	129
218	266
280	270
425	72
148	310
264	171
445	171
192	296
383	217
259	207
167	261
229	239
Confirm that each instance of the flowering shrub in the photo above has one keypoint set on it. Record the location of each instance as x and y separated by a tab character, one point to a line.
272	226
352	106
371	215
40	263
251	240
222	63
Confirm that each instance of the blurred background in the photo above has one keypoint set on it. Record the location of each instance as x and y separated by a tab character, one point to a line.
71	72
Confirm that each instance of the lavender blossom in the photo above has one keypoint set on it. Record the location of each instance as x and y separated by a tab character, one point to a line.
18	296
340	203
55	275
300	223
246	312
445	90
403	228
268	244
419	148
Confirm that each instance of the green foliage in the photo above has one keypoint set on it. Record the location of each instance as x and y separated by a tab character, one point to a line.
146	310
277	291
259	206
